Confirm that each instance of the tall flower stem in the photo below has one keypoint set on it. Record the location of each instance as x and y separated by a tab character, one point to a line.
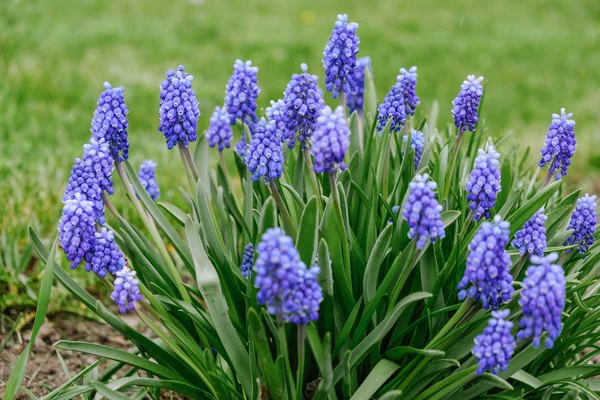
290	228
402	280
546	180
343	102
283	347
447	182
110	206
151	227
224	167
341	225
361	133
533	179
188	164
313	179
301	359
519	266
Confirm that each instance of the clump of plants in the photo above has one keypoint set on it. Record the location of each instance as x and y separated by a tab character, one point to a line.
367	255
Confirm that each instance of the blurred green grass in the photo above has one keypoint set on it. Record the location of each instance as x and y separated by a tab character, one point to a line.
537	56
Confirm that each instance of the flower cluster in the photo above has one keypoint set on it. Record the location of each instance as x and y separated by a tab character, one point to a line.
178	112
219	131
106	256
495	347
560	144
408	84
264	157
303	103
77	229
276	113
240	147
126	291
417	143
466	104
393	109
487	277
241	93
339	57
356	98
286	286
330	141
110	121
583	222
422	212
484	183
247	259
531	238
542	300
148	179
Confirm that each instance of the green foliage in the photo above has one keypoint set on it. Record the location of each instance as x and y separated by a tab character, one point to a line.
390	325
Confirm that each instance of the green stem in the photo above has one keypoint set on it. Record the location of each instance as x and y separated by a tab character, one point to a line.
313	179
285	215
386	167
189	160
519	266
110	206
301	360
343	102
186	167
341	225
151	227
400	284
447	182
546	180
286	360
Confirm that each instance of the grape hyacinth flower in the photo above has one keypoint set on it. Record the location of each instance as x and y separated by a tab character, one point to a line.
287	288
77	229
484	183
241	93
240	147
560	145
219	131
97	156
392	109
330	141
148	179
264	157
487	277
422	212
583	222
276	113
408	83
106	256
247	259
178	112
126	291
417	143
496	345
110	121
531	239
466	104
303	103
542	300
356	98
339	57
395	211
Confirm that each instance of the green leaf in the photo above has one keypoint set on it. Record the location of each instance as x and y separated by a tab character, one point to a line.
210	287
378	254
397	353
392	395
174	212
527	379
324	262
370	99
523	213
307	239
496	381
175	386
268	216
376	378
73	379
109	394
449	217
18	373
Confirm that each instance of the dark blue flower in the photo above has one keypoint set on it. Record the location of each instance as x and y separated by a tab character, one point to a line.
466	104
240	147
110	121
583	222
542	300
219	131
356	98
531	238
148	179
247	259
330	141
106	257
496	345
393	109
303	103
287	288
417	143
77	229
408	83
422	212
178	112
487	277
126	291
241	93
339	57
264	157
484	183
560	144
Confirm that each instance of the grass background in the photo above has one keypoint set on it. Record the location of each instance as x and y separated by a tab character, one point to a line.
537	56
